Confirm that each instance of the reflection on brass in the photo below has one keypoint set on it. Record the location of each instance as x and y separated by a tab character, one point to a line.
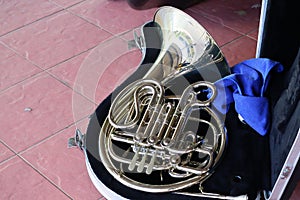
154	140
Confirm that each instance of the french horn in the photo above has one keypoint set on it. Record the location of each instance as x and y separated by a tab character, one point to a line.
162	132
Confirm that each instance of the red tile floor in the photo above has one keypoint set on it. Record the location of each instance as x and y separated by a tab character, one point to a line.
43	43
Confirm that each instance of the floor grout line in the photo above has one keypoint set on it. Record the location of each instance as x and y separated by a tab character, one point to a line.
202	13
60	62
67	9
74	90
8	159
49	68
19	155
70	58
12	150
88	21
52	135
233	40
240	37
241	34
253	31
2	91
72	5
20	81
63	61
44	176
25	25
42	140
102	28
46	16
70	87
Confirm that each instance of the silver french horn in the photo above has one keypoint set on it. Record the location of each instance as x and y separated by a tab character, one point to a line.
159	136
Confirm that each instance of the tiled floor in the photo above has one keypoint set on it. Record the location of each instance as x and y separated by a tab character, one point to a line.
43	43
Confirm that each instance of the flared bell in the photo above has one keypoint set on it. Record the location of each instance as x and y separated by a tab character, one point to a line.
161	132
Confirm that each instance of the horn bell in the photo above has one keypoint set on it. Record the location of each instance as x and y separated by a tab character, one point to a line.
162	133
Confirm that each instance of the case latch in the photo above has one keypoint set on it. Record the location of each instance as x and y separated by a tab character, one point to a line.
77	141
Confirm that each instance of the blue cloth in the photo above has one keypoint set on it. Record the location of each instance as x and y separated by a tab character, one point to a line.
246	87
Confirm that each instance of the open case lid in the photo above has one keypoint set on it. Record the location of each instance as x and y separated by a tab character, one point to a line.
279	39
279	35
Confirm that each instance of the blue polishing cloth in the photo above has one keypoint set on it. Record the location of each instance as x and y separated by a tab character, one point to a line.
246	87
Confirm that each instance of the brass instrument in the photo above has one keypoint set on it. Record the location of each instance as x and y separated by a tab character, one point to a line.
159	136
